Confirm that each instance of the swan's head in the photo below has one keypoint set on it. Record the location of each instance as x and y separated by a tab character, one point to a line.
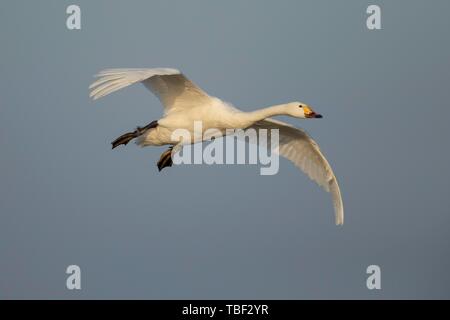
301	110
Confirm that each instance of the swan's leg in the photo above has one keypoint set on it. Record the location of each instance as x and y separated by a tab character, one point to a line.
125	138
165	160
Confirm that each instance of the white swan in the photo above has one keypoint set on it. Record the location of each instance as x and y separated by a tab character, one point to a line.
184	102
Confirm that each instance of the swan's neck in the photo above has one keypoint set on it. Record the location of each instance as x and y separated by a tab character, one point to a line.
261	114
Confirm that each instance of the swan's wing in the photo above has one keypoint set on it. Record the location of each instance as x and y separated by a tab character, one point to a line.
298	147
173	89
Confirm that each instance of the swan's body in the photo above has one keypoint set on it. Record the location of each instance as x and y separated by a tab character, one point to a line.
184	103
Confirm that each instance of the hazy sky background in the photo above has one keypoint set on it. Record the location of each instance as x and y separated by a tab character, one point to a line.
199	231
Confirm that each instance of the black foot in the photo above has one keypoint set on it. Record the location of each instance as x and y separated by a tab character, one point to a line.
124	139
127	137
165	160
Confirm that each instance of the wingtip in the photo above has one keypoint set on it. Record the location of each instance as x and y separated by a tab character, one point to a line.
94	96
339	221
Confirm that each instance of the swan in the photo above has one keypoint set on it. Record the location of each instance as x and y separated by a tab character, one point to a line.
184	102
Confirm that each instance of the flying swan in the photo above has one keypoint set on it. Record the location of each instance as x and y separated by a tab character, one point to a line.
184	102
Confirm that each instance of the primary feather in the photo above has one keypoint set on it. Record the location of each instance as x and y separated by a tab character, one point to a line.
172	88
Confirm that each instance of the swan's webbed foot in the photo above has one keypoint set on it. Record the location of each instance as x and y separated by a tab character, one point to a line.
127	137
165	160
124	139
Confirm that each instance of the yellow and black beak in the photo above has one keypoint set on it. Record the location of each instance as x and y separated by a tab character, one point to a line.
311	114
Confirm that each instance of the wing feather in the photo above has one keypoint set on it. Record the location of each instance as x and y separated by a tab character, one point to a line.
299	148
173	89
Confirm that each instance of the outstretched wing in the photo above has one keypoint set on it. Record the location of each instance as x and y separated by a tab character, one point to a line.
298	147
172	88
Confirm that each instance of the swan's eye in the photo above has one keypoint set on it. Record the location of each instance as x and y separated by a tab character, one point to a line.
300	106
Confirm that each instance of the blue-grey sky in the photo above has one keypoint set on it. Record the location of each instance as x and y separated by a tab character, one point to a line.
199	231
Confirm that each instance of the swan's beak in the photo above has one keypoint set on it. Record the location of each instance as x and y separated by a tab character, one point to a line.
311	114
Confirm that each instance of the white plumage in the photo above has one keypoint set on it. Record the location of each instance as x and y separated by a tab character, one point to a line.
184	102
